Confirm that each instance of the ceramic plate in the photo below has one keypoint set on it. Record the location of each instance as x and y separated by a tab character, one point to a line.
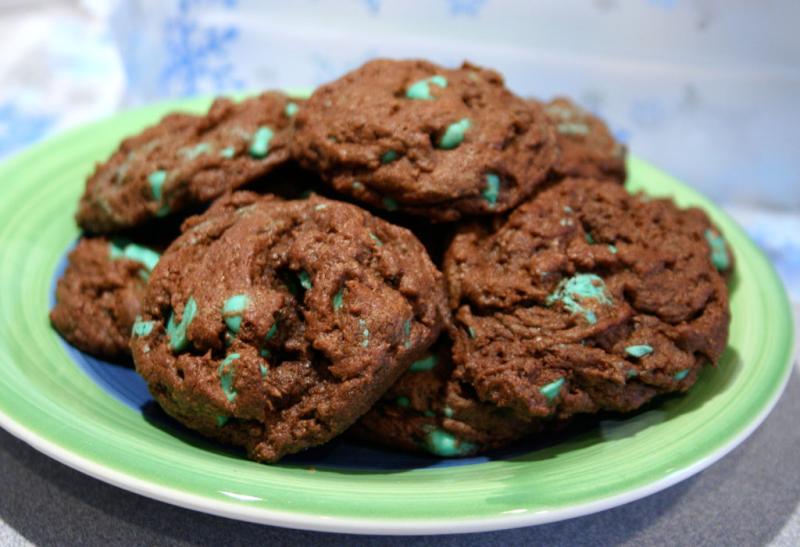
98	418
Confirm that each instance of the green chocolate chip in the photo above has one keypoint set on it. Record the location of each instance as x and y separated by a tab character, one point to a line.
681	375
196	150
156	179
390	204
447	411
407	333
226	374
228	152
132	251
492	189
290	109
376	239
222	420
389	157
424	364
235	304
142	328
273	330
177	332
454	134
364	332
559	111
305	280
444	444
421	90
719	252
639	351
263	369
141	254
613	249
232	310
338	299
551	390
580	288
403	401
259	146
471	332
572	128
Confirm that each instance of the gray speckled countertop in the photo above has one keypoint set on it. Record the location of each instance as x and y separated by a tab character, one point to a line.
750	497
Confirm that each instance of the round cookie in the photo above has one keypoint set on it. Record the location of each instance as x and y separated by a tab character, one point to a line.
586	146
100	295
186	160
587	298
436	142
275	324
430	410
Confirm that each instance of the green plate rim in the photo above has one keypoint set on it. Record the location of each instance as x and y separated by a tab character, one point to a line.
87	452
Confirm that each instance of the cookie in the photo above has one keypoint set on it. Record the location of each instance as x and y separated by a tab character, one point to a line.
586	146
186	160
100	294
275	324
587	298
429	409
436	142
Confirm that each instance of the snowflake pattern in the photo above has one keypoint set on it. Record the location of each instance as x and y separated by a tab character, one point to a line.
374	6
197	55
18	129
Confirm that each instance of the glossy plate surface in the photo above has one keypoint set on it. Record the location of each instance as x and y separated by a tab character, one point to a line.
94	416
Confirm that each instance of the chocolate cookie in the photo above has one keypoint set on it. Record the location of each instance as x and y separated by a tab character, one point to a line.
186	160
429	409
275	324
587	298
586	146
431	141
100	295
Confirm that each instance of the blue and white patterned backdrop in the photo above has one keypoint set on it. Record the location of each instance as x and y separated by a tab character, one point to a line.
705	89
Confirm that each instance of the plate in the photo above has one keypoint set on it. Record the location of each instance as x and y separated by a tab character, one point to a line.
95	416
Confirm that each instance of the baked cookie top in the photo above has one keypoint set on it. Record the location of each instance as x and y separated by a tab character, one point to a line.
275	324
100	295
586	146
429	409
186	160
431	141
587	298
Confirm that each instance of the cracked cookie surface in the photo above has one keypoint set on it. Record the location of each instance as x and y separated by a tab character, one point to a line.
431	141
429	409
275	324
586	146
187	160
100	295
587	298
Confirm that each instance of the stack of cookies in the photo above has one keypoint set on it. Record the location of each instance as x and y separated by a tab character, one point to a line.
414	255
